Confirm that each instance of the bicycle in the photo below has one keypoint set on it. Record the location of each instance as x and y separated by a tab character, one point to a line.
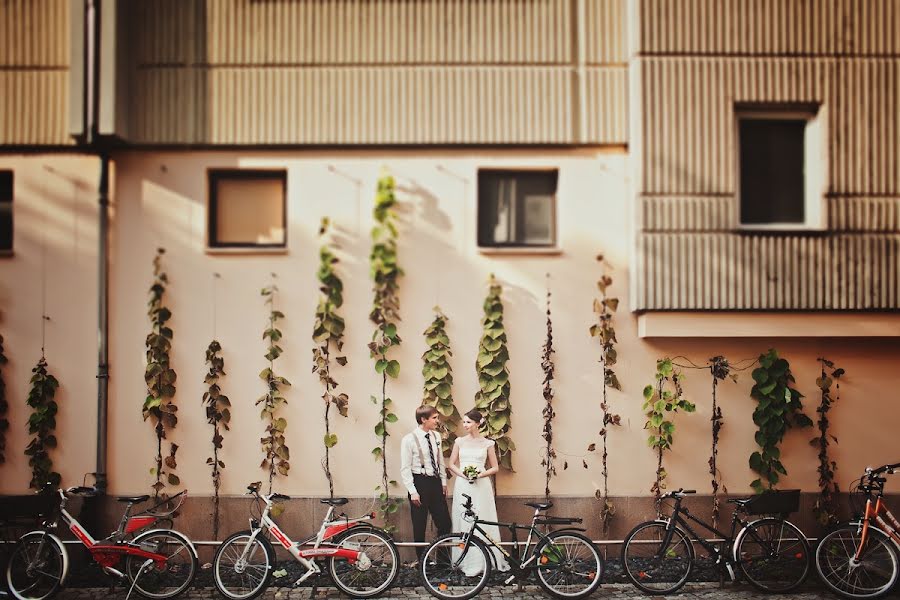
568	564
859	559
771	552
159	563
362	560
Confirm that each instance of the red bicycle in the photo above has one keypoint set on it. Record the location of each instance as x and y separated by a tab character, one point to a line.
361	559
159	563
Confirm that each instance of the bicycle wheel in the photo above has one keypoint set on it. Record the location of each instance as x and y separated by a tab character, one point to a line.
455	566
655	567
162	580
871	575
569	565
242	568
773	555
36	567
376	569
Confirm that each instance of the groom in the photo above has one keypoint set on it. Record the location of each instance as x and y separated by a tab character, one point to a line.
423	473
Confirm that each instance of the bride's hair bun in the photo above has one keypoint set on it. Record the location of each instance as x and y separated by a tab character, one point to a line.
474	415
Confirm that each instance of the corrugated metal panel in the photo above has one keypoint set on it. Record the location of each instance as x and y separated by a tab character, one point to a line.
719	213
355	32
606	105
605	30
33	107
755	272
34	33
770	27
688	111
500	105
34	63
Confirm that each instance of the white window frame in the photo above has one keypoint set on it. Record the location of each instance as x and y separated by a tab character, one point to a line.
815	167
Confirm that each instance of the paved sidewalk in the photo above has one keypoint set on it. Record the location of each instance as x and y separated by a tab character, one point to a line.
693	591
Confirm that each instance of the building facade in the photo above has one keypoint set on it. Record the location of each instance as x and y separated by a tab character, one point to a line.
736	163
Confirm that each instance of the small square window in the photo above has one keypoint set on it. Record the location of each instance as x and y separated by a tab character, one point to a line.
6	212
781	170
517	208
247	209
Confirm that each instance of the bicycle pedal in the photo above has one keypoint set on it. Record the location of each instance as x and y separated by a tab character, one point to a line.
509	580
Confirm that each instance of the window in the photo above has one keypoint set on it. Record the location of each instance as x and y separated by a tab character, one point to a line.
6	212
517	208
781	171
247	209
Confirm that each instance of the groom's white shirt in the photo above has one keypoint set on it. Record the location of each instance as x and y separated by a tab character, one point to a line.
411	462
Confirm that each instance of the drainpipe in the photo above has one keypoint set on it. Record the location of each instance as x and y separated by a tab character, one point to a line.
94	144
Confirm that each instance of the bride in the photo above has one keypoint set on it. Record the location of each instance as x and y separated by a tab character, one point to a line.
471	454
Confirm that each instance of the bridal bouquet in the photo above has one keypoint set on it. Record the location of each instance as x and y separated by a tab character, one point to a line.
471	473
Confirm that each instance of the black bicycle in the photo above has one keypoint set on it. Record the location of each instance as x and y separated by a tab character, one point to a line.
771	552
457	566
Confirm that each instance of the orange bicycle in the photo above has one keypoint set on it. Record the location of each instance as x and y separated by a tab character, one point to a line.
860	559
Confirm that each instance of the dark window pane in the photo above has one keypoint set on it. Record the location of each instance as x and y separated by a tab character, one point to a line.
772	189
247	209
517	208
6	210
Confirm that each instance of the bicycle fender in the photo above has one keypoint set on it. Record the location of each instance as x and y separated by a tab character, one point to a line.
177	534
565	529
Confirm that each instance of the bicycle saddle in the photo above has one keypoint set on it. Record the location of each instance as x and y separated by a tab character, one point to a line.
540	505
133	499
334	501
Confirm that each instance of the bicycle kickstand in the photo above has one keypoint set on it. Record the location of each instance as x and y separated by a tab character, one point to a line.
313	569
141	571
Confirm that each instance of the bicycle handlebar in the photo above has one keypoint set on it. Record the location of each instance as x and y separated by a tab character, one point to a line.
679	493
81	490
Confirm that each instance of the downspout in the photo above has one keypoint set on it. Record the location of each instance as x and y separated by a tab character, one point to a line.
94	145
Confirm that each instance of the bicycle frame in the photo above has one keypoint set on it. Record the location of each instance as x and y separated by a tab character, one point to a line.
517	564
877	512
109	551
733	540
307	556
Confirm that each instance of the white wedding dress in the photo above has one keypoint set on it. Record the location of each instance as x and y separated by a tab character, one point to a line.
475	453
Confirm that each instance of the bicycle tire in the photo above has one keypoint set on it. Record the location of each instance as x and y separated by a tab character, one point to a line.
175	577
645	562
834	562
443	574
362	580
37	567
773	555
243	581
569	565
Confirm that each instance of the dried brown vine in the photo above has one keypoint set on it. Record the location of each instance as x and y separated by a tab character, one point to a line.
720	369
826	507
218	414
549	454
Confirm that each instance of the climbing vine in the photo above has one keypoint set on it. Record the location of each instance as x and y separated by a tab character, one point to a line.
439	379
218	414
4	406
385	273
276	454
42	424
328	333
604	309
720	369
492	398
549	454
778	408
826	507
661	400
159	376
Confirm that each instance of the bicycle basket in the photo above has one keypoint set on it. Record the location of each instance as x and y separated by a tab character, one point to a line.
27	509
774	502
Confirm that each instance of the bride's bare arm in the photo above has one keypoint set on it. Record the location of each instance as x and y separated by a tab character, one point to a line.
454	460
492	462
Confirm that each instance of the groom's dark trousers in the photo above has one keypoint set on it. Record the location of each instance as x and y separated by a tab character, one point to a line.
431	495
